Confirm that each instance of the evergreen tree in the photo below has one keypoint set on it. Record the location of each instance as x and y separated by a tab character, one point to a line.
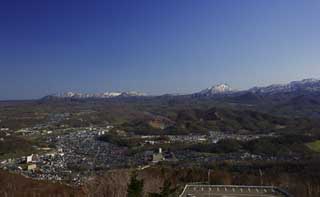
135	187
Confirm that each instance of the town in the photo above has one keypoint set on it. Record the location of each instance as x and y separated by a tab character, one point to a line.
74	154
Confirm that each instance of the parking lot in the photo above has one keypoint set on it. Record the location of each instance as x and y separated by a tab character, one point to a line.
230	191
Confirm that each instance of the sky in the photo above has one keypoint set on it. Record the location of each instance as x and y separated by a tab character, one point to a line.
154	46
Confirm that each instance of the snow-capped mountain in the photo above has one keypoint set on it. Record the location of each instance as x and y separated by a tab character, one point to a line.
303	86
294	87
310	85
98	95
217	89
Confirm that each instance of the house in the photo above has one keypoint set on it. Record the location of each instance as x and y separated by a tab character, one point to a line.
157	157
31	167
32	158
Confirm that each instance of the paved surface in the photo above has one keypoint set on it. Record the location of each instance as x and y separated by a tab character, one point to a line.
230	191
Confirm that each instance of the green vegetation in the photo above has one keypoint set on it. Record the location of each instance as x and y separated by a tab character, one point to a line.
121	141
223	146
129	141
13	147
281	146
135	187
315	146
156	115
195	120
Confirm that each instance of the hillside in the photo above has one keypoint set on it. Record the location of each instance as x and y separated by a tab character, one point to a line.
222	119
17	185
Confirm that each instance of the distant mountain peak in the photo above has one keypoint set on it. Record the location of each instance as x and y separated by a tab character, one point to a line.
216	89
221	88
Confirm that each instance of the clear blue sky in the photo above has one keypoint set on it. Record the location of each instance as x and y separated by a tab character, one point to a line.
154	46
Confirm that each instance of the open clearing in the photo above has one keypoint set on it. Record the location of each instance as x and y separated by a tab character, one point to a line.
315	146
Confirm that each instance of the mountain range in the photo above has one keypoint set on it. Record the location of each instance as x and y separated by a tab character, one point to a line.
77	95
303	86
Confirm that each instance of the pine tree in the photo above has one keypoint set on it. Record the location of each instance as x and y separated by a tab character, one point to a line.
135	187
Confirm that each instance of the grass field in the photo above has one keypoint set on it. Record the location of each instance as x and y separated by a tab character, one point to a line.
315	146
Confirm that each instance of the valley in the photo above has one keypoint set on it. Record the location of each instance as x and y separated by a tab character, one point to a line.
73	140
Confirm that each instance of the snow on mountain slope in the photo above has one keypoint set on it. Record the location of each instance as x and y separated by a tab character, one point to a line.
306	85
303	85
217	89
98	95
